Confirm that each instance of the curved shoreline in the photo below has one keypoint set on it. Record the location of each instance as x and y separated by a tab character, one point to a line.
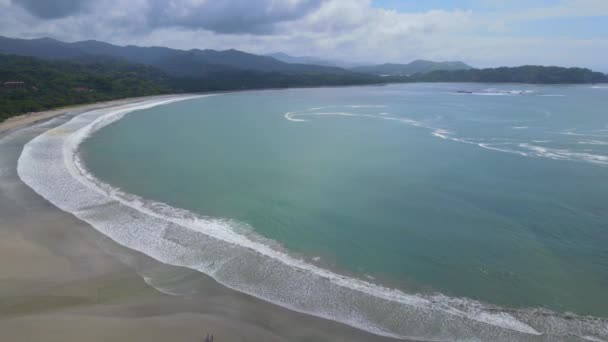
64	281
50	165
23	120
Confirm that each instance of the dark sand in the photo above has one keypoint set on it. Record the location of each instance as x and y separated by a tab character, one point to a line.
61	280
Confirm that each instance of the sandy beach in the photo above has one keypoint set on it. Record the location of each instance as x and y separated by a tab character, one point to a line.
61	280
23	120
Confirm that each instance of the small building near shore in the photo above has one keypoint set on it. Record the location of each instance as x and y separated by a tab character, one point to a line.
14	85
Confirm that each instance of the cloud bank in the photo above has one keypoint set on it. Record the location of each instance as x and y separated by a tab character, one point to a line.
52	9
228	16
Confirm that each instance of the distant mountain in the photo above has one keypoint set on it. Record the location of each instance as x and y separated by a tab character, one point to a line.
415	67
50	84
534	74
47	47
70	77
283	57
192	63
56	73
313	60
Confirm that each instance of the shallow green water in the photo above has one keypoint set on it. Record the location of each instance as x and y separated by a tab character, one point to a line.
496	196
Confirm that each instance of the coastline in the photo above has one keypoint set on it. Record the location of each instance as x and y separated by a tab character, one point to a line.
22	120
172	279
73	283
51	166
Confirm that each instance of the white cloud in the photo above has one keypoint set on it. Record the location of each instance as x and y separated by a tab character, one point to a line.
228	16
346	29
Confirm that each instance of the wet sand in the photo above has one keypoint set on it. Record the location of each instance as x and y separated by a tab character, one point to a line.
30	118
61	280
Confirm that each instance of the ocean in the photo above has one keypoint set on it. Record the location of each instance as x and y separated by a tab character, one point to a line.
430	211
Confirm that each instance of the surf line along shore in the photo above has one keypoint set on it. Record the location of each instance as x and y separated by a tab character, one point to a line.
50	165
20	121
72	283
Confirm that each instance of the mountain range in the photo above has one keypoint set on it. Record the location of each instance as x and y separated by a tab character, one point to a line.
388	69
416	67
52	73
197	63
283	57
190	63
314	60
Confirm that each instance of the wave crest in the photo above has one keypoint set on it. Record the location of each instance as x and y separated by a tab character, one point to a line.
506	146
50	165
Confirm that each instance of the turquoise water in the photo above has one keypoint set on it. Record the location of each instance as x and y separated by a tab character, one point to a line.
498	194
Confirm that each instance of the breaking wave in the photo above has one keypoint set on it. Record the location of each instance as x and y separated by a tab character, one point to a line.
593	142
50	164
517	147
504	92
495	92
564	154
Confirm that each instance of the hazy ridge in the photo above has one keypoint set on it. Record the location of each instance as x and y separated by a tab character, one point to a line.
56	73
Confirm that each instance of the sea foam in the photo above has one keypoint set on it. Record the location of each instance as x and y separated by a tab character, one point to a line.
50	165
510	146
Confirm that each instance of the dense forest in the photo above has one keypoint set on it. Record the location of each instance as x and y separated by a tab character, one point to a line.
56	83
522	74
51	84
416	67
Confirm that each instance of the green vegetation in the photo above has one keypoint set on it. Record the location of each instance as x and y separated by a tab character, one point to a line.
56	84
61	82
178	63
240	80
415	67
52	84
522	74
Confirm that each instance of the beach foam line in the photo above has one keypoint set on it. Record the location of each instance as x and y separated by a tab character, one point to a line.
593	142
518	147
497	92
564	154
593	134
51	166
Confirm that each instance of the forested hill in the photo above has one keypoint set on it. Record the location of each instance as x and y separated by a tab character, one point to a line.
45	84
415	67
54	84
69	73
179	63
523	74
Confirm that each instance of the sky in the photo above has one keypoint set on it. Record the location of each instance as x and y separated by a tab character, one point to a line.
483	33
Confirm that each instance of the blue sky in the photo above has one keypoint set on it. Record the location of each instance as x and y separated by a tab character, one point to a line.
584	27
589	27
421	6
476	5
483	33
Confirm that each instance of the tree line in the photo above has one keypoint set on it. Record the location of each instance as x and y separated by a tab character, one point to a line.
53	84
